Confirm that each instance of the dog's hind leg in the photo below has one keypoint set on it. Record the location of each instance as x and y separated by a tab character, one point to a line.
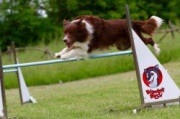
156	48
153	44
149	41
123	44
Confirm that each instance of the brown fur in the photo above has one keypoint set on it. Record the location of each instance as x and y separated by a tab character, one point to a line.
109	32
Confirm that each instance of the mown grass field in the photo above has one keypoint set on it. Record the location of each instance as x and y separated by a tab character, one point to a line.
64	72
107	97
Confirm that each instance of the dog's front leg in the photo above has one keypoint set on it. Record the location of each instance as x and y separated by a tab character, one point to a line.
75	53
59	54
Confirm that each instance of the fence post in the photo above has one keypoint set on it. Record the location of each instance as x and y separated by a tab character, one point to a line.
171	27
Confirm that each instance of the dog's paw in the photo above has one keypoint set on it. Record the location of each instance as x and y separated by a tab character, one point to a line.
65	57
57	55
156	49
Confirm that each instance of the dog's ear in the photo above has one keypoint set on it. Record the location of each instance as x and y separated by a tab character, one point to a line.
157	66
65	22
79	22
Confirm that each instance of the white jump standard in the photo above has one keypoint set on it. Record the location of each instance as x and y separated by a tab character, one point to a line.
155	85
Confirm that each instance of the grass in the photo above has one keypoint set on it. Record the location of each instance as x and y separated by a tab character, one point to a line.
64	72
107	97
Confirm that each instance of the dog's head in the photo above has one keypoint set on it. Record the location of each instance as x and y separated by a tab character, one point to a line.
74	31
152	73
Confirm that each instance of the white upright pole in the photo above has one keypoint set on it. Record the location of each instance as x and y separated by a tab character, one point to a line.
26	97
3	110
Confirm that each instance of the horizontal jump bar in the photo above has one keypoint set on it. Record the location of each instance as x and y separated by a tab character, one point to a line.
10	70
69	60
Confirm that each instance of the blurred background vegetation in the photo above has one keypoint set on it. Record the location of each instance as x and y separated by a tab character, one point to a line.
32	21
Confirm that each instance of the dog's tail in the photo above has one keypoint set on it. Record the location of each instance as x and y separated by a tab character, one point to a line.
149	26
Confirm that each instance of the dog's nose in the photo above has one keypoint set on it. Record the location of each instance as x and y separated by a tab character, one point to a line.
65	40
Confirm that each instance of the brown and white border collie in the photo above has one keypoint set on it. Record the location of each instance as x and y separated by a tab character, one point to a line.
88	33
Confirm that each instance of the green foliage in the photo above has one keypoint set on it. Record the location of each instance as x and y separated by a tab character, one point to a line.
113	9
23	25
20	22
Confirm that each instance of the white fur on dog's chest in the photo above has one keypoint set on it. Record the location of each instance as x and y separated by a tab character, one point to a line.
83	46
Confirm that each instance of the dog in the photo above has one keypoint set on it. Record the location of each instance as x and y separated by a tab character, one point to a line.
86	34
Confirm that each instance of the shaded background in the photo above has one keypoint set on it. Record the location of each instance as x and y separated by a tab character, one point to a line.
33	21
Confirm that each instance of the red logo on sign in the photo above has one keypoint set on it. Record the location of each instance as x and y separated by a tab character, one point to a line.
156	94
152	76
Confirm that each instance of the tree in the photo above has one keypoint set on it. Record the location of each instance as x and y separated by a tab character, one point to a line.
22	24
113	9
20	21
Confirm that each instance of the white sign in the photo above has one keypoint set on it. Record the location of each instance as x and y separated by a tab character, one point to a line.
157	85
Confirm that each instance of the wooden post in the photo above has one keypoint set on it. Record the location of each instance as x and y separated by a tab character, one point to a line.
171	26
9	53
162	37
15	61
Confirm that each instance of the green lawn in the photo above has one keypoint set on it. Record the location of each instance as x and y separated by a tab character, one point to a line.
107	97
